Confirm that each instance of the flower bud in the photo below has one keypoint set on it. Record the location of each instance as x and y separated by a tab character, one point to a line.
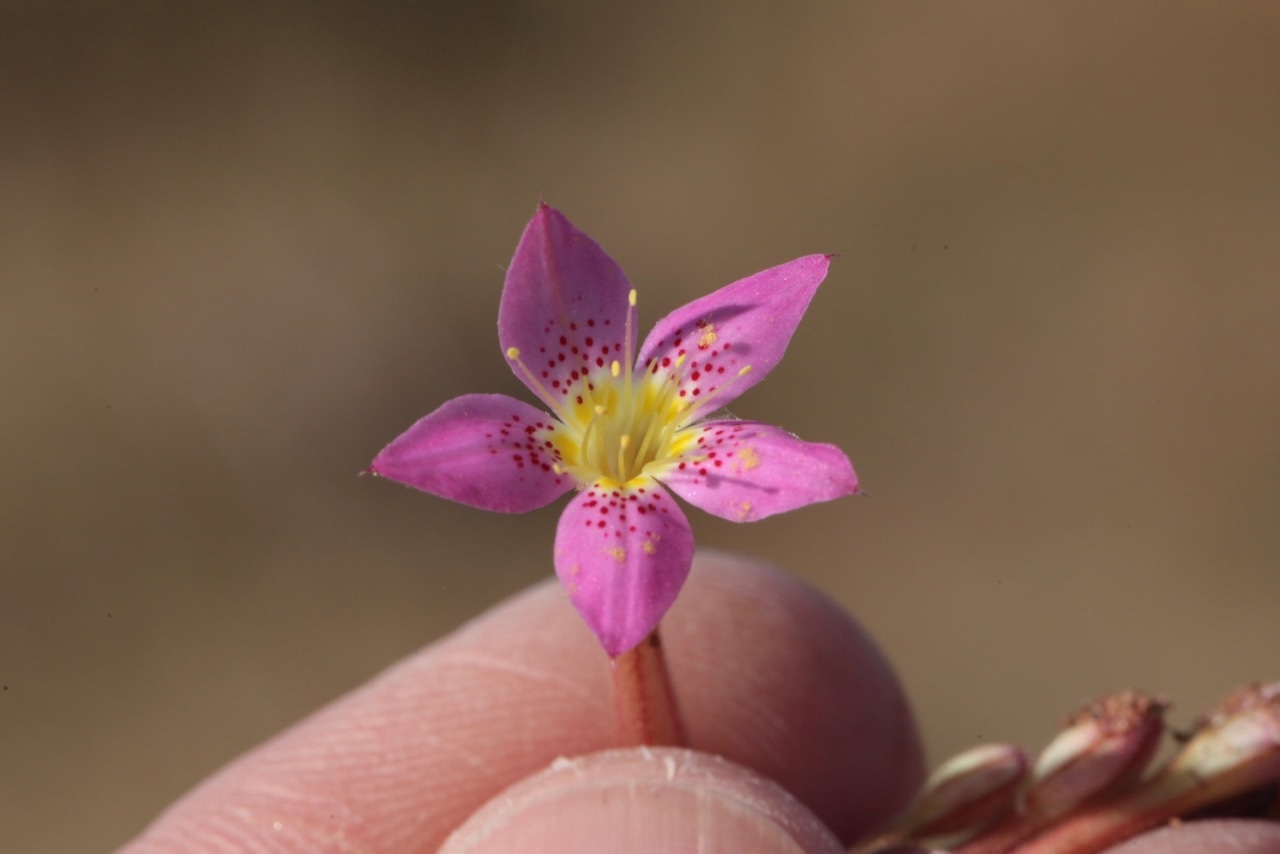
967	791
1105	745
1237	746
1235	752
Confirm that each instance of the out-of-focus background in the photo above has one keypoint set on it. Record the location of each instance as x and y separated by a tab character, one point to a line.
242	246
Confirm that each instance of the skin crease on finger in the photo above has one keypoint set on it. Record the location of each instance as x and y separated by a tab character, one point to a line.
1223	836
641	801
770	674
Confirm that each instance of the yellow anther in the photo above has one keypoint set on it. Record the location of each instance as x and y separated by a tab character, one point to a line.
631	298
615	368
513	353
600	410
744	370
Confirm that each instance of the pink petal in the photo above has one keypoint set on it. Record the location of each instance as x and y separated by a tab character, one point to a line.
623	554
564	309
486	450
706	345
743	471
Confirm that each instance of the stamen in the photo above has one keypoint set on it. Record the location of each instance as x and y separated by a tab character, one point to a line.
650	429
703	403
513	353
584	453
627	344
623	441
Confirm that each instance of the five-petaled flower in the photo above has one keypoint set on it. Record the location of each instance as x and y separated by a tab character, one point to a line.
621	424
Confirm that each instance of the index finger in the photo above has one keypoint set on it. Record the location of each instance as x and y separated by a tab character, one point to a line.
769	674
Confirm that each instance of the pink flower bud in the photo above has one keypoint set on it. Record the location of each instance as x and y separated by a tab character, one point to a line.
1106	744
1235	752
968	791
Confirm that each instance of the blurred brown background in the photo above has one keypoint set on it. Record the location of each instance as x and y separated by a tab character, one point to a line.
243	246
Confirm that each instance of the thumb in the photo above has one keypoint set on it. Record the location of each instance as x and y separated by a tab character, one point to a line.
643	800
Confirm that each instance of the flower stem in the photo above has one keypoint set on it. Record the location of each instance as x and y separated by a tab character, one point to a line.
643	701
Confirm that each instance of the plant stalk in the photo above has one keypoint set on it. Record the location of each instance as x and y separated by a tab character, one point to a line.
643	700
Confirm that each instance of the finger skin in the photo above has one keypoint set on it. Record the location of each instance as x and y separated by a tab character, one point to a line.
770	674
1223	836
641	801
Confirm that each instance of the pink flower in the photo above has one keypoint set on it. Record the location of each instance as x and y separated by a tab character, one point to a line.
622	427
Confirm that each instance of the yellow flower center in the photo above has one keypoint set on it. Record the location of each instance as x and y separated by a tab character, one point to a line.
620	425
625	429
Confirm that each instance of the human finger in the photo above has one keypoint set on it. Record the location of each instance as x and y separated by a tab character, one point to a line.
770	674
1237	836
643	800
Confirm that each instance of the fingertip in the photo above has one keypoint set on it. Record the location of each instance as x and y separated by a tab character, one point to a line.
644	800
773	674
1239	836
769	672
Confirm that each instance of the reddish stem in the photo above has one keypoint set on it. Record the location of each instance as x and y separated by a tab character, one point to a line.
643	700
1100	829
